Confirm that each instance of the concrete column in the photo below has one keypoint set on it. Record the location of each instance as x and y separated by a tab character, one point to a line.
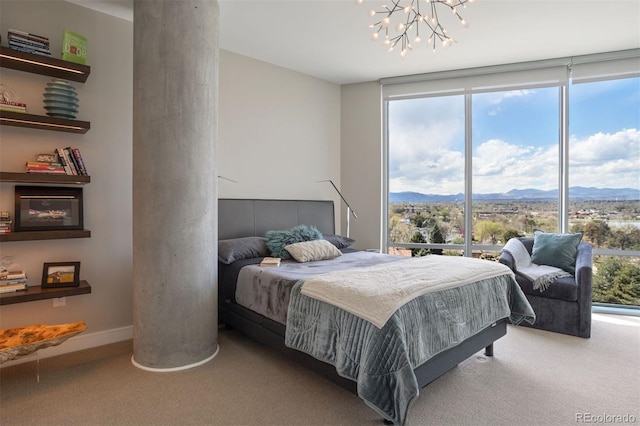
175	218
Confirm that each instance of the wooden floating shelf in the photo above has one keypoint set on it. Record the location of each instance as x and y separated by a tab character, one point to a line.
43	122
44	178
38	293
45	235
38	64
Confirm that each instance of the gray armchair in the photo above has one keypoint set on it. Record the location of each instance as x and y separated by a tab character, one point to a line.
564	307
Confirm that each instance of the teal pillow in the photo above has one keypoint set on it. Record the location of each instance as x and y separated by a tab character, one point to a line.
559	250
277	240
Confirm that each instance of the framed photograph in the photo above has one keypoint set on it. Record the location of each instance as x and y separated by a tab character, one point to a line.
47	208
61	274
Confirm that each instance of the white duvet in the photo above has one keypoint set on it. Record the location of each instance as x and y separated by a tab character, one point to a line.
374	293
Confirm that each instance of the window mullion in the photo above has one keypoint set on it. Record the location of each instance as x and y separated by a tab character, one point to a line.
468	173
563	213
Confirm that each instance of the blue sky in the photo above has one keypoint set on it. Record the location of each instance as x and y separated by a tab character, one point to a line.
515	139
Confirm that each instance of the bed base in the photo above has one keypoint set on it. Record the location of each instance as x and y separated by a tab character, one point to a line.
271	333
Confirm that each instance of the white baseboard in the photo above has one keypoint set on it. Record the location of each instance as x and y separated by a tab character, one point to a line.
78	343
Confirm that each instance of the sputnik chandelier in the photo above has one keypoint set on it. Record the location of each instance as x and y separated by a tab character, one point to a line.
414	17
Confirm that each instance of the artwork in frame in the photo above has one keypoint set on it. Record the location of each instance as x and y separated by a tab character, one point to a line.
46	208
61	274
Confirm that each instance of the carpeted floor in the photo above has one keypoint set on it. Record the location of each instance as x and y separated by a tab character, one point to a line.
535	378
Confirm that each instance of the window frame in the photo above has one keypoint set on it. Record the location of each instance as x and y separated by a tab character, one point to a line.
586	68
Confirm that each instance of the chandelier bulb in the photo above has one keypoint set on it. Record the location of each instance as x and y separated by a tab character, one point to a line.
403	53
385	22
464	23
372	12
407	9
374	36
417	39
399	27
358	1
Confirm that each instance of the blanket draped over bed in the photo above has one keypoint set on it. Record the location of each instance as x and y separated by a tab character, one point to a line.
382	360
378	293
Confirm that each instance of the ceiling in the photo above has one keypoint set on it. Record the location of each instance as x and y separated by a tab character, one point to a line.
330	39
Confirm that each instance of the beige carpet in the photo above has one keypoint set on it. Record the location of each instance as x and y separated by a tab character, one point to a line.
535	378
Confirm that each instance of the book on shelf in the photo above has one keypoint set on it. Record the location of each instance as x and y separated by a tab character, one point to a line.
270	261
35	52
12	275
16	280
63	160
28	35
41	167
5	223
71	159
17	42
26	42
11	288
74	47
78	157
13	106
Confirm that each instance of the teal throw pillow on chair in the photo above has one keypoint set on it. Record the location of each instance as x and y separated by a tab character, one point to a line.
559	250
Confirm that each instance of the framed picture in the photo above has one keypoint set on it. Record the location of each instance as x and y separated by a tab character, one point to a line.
43	208
61	274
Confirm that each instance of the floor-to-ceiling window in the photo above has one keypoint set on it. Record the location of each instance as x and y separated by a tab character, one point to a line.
604	153
426	156
474	159
515	142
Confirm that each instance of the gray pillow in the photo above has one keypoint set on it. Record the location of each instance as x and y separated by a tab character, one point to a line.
338	240
241	248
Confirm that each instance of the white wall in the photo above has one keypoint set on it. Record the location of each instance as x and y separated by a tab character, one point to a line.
279	135
361	160
279	132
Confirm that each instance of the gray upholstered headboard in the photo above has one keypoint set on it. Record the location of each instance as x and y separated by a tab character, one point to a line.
253	217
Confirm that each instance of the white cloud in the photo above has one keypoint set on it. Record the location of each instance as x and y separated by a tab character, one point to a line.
437	166
606	160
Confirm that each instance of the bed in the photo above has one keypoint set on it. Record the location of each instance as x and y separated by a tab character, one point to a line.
385	356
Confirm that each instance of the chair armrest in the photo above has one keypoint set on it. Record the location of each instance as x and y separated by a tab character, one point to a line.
506	259
584	271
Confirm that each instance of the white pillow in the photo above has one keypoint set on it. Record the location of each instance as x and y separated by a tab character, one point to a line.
308	251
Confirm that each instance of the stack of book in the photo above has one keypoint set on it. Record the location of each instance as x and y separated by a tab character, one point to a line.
44	167
5	222
13	106
11	281
27	42
72	161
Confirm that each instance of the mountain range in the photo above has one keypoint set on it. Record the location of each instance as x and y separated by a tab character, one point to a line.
576	193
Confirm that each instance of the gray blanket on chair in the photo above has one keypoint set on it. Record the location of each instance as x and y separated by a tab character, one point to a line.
382	361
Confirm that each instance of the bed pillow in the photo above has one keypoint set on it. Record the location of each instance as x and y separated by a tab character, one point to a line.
308	251
338	240
241	248
277	240
559	250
